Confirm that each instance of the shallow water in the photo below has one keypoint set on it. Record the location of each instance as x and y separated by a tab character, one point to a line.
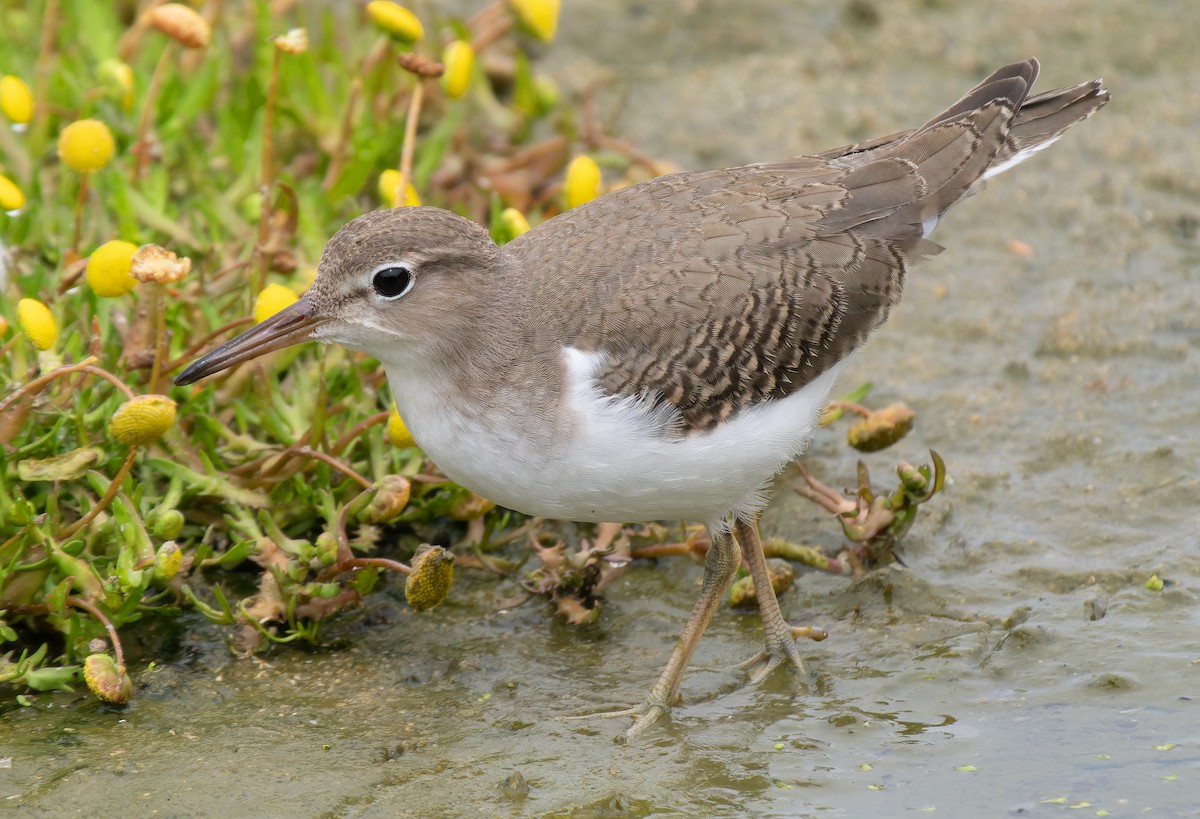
1016	666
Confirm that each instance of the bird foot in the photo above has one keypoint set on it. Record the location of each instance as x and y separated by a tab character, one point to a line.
644	715
780	646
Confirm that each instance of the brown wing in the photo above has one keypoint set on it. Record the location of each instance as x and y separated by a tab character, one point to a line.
717	290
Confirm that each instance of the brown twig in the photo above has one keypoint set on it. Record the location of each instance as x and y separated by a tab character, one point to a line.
38	384
491	33
8	345
848	406
430	479
823	495
661	550
72	272
113	487
487	15
627	150
266	466
525	157
80	603
424	67
410	141
342	467
359	429
227	269
500	540
379	562
112	379
593	136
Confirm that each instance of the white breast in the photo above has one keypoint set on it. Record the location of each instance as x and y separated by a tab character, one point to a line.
610	459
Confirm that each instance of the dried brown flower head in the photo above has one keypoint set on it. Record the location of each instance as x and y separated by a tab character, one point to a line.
153	263
180	23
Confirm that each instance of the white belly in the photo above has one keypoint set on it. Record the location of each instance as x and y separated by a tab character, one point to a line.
609	460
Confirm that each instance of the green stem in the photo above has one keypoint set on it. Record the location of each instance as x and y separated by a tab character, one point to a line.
410	141
42	70
159	312
266	181
78	226
142	150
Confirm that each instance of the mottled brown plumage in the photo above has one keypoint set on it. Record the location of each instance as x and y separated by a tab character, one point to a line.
717	290
662	351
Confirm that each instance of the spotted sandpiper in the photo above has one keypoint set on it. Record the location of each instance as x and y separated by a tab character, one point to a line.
660	352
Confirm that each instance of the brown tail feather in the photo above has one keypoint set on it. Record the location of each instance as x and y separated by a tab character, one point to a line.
993	127
1010	83
1037	119
1044	118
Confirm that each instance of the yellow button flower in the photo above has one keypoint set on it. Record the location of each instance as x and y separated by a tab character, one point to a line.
86	145
470	506
539	16
389	181
397	431
387	500
272	299
395	20
512	224
119	78
546	90
432	574
881	428
16	100
142	420
583	181
108	268
459	59
168	560
11	197
107	679
37	323
514	220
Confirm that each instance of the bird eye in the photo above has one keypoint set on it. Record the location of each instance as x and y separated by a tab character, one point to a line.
392	281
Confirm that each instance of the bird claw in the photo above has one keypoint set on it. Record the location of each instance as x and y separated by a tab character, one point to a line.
644	716
647	714
781	645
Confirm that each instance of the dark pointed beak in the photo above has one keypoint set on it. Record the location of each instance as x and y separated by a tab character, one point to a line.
289	326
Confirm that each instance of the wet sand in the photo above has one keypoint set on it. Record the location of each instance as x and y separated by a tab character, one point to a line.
1016	665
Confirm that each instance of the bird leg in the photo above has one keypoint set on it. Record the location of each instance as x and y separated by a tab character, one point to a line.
780	635
720	565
